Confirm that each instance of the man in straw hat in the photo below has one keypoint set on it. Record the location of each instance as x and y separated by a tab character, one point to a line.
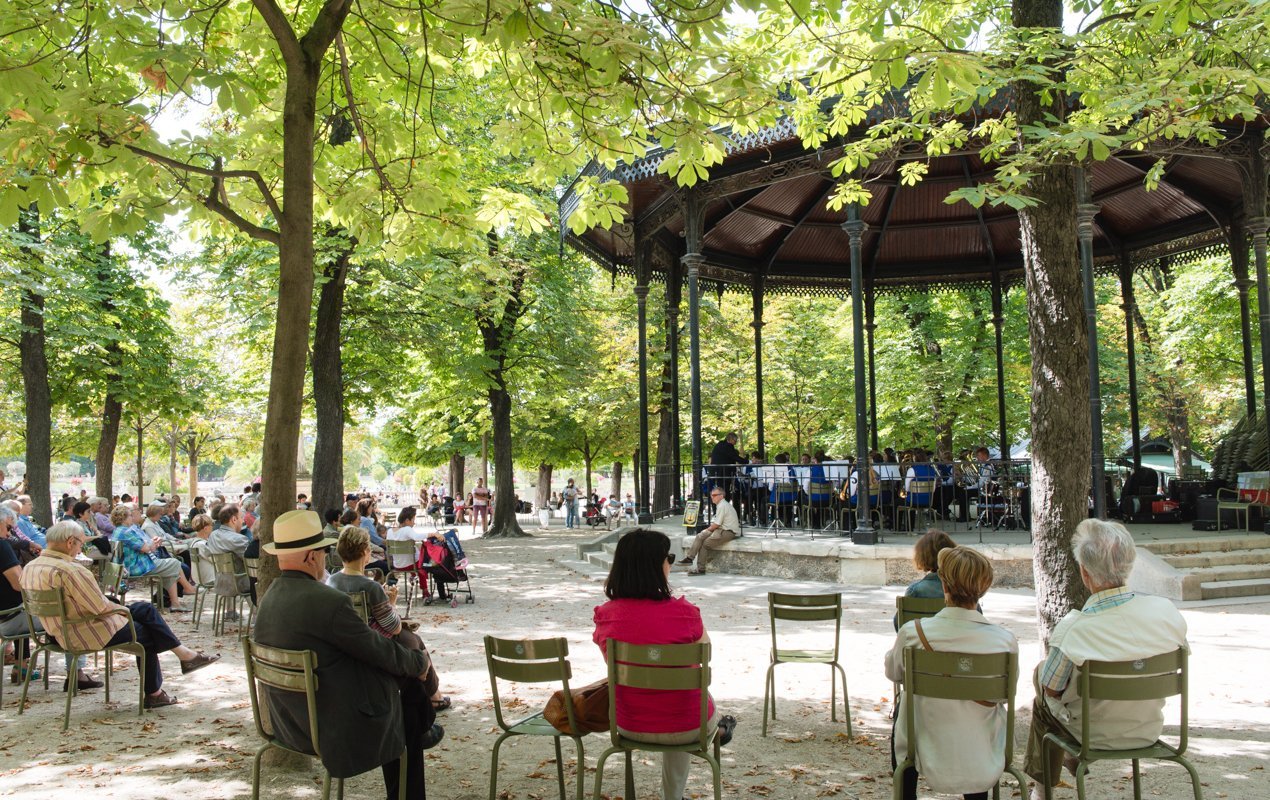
369	704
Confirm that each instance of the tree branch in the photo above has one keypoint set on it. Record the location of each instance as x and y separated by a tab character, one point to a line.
214	172
276	19
326	26
384	184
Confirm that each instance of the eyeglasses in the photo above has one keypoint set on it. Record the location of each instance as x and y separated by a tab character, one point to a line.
670	559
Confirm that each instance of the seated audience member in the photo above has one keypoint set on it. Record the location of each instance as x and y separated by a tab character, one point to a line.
67	503
405	532
960	743
354	550
226	538
926	559
152	526
247	511
199	507
26	525
25	547
367	517
641	610
202	526
97	546
56	568
140	558
1115	624
368	707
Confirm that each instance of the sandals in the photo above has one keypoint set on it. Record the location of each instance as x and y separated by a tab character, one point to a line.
727	724
442	704
18	673
160	700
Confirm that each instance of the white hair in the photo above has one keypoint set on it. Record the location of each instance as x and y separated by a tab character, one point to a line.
1106	550
99	500
63	531
8	514
156	509
14	504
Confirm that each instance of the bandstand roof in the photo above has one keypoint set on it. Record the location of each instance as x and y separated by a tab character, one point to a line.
765	214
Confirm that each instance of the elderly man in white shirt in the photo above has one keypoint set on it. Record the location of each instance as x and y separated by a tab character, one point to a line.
960	743
725	527
1115	624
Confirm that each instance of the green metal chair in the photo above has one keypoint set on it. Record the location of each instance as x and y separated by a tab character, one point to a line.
649	667
127	582
908	609
975	677
361	604
404	547
49	605
922	513
806	608
1228	500
227	575
201	587
1155	678
16	639
532	661
291	671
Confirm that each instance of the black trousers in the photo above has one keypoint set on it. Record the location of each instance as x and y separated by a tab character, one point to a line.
418	715
154	635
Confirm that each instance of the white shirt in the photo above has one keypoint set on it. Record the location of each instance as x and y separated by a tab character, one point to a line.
405	534
960	744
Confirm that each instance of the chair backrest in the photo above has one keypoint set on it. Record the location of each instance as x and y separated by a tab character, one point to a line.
975	677
111	578
911	608
252	565
282	670
528	661
922	487
1155	678
820	490
806	608
361	604
45	604
224	564
402	547
663	667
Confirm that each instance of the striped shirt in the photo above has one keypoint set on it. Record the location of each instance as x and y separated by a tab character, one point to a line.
1056	673
84	601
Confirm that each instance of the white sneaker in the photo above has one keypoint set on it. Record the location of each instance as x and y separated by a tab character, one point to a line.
1037	792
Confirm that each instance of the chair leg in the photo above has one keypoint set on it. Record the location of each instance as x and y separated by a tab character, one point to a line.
26	678
630	774
559	766
70	695
1082	769
599	773
846	699
581	770
339	788
401	776
493	766
326	785
255	771
769	692
141	686
110	663
1190	768
897	780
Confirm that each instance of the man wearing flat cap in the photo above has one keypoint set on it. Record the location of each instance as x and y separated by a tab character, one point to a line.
370	705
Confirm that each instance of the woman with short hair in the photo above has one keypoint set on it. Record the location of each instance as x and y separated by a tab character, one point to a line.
354	550
960	743
641	610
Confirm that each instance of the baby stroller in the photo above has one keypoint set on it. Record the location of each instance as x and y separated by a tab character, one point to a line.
592	515
441	564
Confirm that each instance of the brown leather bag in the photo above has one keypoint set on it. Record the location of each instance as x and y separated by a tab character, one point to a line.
590	709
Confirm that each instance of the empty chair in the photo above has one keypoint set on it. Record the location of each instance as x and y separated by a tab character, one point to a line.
532	661
806	608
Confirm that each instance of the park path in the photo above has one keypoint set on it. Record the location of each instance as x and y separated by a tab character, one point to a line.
202	748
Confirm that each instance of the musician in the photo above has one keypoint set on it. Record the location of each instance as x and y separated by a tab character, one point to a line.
723	460
756	476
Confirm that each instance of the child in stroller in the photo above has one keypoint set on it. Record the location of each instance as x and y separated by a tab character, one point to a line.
593	516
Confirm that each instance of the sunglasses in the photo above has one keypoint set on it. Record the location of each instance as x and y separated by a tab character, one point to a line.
670	559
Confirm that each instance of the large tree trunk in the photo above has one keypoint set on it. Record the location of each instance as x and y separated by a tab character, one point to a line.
1060	351
665	478
615	485
328	389
303	57
35	373
503	524
542	497
141	464
112	408
456	474
192	447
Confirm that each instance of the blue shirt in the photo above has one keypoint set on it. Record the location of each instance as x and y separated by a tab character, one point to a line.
134	561
368	524
32	531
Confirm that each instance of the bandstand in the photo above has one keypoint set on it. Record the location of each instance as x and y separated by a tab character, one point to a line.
760	226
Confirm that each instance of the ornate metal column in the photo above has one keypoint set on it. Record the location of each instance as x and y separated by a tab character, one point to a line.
998	321
757	325
1239	265
694	225
1085	212
674	294
854	226
870	304
1130	304
643	255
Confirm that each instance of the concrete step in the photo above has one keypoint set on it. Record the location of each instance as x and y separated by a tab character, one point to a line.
1244	588
1231	572
1209	544
1217	559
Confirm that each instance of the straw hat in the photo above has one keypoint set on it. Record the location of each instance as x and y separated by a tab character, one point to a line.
295	531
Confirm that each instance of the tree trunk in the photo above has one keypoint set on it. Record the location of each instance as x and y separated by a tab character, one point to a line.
328	389
112	408
456	475
141	464
615	485
542	498
1168	389
503	524
1059	344
192	445
172	439
665	479
35	373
